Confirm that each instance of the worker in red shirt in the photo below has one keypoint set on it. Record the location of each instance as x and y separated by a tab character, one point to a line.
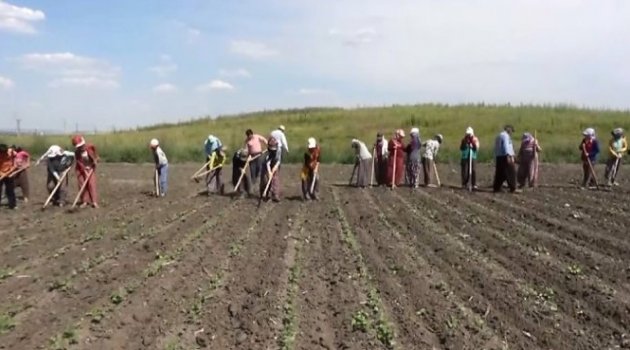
7	167
86	160
22	163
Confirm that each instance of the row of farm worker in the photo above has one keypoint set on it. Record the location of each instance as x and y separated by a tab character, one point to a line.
390	163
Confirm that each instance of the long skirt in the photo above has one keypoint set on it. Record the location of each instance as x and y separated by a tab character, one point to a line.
527	171
413	172
90	195
588	179
380	171
400	170
363	175
427	168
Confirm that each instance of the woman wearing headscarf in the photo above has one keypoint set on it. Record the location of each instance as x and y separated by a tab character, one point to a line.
395	165
380	163
413	158
363	163
616	149
86	160
589	147
310	169
528	161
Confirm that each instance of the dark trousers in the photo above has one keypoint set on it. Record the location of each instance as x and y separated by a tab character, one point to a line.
214	175
465	172
60	196
256	168
9	190
504	172
306	185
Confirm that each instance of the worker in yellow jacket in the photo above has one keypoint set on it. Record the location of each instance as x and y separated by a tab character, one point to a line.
617	147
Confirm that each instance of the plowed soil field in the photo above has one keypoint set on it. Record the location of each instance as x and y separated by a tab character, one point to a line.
430	268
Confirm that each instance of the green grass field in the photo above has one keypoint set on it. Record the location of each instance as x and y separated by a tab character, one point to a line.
558	127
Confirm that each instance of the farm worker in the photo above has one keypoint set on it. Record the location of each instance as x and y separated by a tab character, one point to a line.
161	165
281	138
214	148
395	149
271	169
310	170
363	163
7	166
469	149
528	161
589	148
413	158
22	161
58	162
431	149
504	157
238	164
380	163
254	144
616	148
86	160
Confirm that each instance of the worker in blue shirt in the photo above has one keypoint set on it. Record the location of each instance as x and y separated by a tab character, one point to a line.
504	159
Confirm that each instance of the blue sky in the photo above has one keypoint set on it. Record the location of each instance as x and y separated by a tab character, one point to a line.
127	63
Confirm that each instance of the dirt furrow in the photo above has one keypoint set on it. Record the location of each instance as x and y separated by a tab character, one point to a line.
91	248
426	314
610	267
471	272
55	308
329	293
246	312
170	297
604	312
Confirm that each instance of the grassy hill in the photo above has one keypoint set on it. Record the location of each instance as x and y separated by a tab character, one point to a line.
558	127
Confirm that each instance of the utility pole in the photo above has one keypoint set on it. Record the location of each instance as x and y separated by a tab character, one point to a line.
18	129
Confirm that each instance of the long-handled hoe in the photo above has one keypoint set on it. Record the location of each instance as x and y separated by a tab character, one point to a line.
437	176
157	183
590	167
315	176
83	187
264	194
59	183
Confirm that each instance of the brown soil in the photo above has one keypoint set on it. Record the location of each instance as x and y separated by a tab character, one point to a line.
358	269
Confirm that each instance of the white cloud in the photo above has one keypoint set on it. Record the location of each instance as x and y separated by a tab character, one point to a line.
252	49
69	69
164	88
6	83
19	19
165	67
235	73
311	91
215	85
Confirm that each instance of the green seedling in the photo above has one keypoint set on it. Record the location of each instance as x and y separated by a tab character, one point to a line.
6	273
360	321
6	323
116	298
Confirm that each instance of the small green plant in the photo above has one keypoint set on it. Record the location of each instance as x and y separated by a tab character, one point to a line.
385	334
116	298
575	270
6	323
64	340
373	301
6	273
160	262
94	236
59	284
235	249
96	316
360	321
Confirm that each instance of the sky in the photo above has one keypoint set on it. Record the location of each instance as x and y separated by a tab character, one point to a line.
121	64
